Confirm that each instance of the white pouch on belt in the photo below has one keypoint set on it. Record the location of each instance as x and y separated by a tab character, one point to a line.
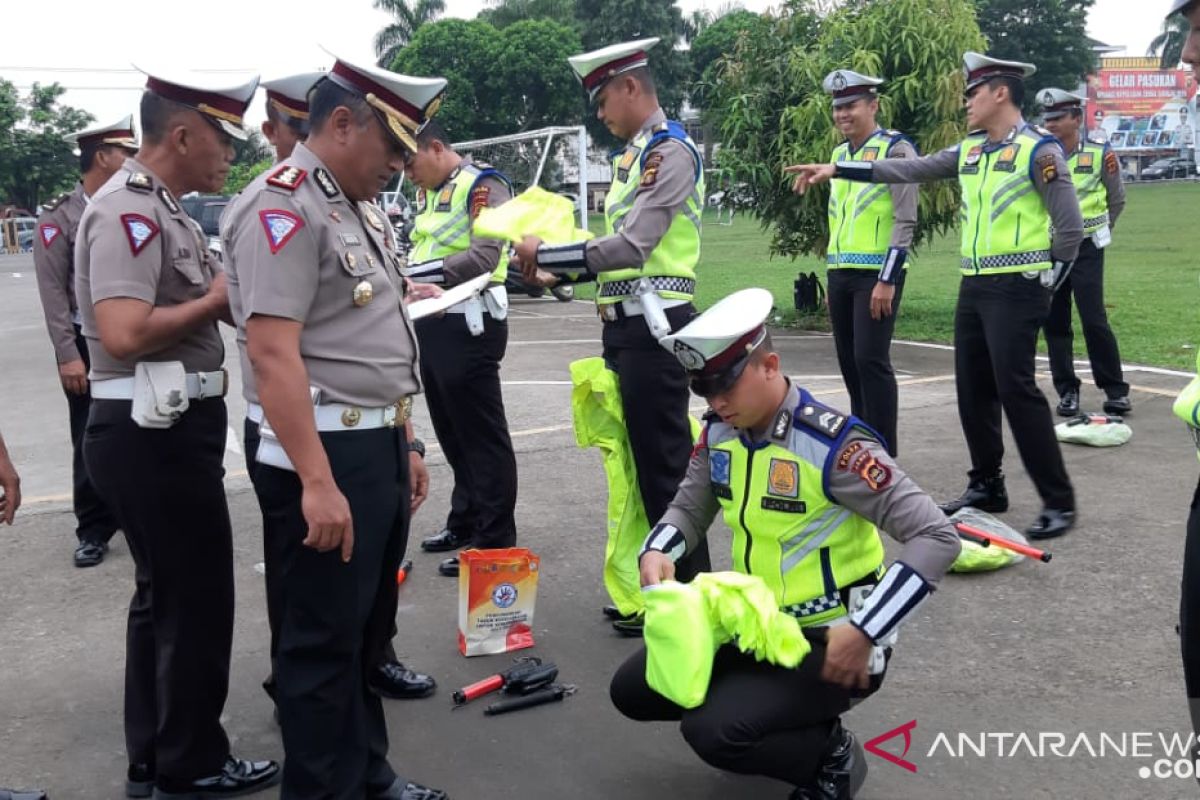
160	394
652	309
496	297
474	315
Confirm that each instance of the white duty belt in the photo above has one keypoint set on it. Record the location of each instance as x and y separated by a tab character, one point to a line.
346	417
200	386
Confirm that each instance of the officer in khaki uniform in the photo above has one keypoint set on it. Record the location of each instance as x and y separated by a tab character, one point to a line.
462	349
317	292
805	489
102	150
870	231
150	297
1021	229
1096	174
644	269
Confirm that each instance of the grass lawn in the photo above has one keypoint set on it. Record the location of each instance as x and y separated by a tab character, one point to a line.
1152	281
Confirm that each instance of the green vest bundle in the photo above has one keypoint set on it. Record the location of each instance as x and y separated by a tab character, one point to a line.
1187	406
974	557
1094	430
534	212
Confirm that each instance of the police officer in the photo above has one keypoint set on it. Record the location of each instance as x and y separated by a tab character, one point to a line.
317	290
870	231
644	268
1189	601
803	487
150	297
1021	229
462	349
102	150
286	125
1096	173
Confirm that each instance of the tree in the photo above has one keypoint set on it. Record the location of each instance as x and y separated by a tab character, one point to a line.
409	16
240	175
777	112
716	38
35	162
1051	34
607	22
1168	45
498	81
503	13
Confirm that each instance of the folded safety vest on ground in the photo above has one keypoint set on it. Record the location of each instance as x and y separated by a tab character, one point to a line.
1094	430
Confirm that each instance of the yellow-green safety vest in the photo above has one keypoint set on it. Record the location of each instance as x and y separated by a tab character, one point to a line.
1187	406
671	265
443	224
1005	224
1087	172
860	214
786	529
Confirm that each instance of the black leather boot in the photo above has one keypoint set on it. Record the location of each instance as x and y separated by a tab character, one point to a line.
843	769
986	494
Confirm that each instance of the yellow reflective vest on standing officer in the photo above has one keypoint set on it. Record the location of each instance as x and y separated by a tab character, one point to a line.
443	224
1087	166
861	214
678	252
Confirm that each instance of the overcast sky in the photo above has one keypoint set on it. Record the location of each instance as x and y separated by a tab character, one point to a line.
88	46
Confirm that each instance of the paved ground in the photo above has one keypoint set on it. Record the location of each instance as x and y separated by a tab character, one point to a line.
1084	645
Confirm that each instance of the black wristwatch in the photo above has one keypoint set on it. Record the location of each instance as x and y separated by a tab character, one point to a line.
417	446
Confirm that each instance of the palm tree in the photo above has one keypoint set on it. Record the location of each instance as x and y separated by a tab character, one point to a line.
1169	44
409	16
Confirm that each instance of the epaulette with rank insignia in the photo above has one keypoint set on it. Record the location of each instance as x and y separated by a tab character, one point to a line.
820	418
1041	131
139	182
287	178
56	202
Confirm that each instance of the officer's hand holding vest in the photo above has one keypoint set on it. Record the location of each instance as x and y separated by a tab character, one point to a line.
655	568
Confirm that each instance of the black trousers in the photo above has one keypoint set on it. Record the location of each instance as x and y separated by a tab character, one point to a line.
864	348
166	489
335	619
654	398
758	719
1086	284
996	328
93	521
251	440
1189	611
461	375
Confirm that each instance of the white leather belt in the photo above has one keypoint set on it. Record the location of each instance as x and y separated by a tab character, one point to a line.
345	417
200	386
633	308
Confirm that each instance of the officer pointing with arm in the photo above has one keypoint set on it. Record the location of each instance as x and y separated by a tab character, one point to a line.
1021	229
1096	174
805	489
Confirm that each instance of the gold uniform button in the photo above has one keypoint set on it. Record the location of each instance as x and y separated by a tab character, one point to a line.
364	293
351	417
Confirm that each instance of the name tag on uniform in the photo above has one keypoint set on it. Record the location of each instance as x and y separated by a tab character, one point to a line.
786	506
1102	238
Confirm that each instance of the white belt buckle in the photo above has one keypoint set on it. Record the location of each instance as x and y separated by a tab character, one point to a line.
211	384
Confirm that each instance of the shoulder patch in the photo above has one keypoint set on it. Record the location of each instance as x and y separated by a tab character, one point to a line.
56	202
1112	164
877	476
165	195
287	178
139	230
280	226
650	169
821	418
325	181
139	182
479	199
1047	164
49	232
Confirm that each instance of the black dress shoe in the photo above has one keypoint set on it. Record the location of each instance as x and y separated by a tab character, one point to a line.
406	790
139	780
843	769
22	794
986	494
1118	406
398	682
1050	523
444	541
235	779
1068	404
630	626
449	567
89	554
614	613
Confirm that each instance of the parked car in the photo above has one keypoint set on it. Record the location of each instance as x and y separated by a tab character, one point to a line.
206	209
1169	168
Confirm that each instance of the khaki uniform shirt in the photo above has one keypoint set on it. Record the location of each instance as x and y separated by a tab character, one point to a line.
54	263
297	248
136	241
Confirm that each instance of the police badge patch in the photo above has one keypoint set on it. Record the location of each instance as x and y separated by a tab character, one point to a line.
280	226
691	358
719	467
49	234
783	479
139	230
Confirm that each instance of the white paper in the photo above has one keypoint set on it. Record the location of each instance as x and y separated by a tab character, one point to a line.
464	291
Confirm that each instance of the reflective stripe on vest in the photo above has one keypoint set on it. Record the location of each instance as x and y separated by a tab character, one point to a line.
1087	172
443	224
860	214
1006	227
677	254
785	529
